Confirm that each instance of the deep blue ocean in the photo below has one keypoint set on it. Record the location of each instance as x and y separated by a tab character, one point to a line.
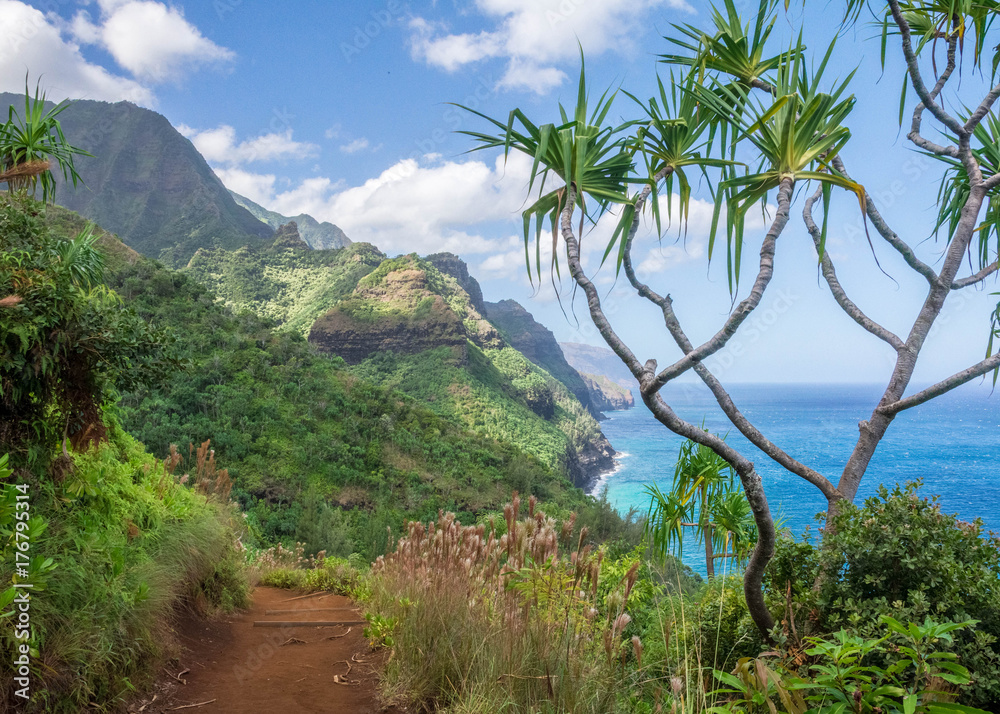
952	443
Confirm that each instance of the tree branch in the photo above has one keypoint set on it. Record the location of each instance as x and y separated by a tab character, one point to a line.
752	488
913	68
983	109
918	111
977	278
748	304
730	409
956	380
888	234
830	274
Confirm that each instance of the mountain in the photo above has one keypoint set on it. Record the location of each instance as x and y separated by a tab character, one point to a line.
406	325
598	360
415	329
147	183
284	281
538	344
318	235
606	395
315	452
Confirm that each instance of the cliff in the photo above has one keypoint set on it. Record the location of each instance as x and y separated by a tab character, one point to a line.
538	344
414	328
606	395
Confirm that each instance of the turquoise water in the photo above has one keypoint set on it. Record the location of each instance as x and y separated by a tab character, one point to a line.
952	443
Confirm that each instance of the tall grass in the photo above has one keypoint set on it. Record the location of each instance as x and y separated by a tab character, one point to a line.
505	618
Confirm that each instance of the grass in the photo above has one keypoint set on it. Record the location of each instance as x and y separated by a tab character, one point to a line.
130	544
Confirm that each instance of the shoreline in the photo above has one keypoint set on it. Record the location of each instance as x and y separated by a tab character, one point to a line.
602	478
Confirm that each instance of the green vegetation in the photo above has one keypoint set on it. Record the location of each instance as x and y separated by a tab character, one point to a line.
492	390
315	452
67	343
115	547
525	615
898	555
290	286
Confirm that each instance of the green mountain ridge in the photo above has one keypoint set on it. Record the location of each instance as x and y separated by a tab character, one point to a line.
321	236
148	183
404	324
316	452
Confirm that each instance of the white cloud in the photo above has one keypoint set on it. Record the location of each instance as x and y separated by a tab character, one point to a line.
151	40
355	146
535	35
219	146
259	188
30	40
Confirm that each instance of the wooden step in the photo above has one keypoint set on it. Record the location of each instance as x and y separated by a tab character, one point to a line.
306	623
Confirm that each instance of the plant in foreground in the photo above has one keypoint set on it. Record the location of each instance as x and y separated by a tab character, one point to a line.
845	677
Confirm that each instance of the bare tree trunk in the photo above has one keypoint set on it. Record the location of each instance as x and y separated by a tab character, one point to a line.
709	556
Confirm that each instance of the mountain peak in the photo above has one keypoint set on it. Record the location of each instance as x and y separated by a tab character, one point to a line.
320	236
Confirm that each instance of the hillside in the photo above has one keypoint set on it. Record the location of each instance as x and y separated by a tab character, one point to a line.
538	344
405	324
606	395
148	183
315	453
411	327
320	236
284	281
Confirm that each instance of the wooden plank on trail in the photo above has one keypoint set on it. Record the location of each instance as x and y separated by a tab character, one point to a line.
320	623
311	609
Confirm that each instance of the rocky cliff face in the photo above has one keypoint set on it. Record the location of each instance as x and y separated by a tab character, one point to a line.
398	313
607	395
147	183
287	236
539	345
451	264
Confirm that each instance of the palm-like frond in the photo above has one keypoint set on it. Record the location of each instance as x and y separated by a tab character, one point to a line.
953	193
675	134
938	20
796	133
734	49
580	151
37	137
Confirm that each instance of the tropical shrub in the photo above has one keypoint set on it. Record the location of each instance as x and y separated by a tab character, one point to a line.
67	344
898	555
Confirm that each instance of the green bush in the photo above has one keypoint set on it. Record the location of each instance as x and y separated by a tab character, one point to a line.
898	555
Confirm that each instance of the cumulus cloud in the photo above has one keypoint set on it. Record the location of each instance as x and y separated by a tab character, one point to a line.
355	146
220	146
259	188
149	39
29	39
536	35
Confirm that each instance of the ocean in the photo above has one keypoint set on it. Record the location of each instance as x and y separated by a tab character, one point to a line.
952	443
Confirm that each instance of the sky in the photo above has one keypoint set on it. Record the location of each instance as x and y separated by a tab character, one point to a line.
344	111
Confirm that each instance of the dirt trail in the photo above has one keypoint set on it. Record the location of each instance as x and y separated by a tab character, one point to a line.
233	666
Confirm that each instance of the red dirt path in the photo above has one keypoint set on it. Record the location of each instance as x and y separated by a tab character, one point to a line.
249	669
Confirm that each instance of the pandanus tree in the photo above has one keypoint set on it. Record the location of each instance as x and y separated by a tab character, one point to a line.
766	127
704	498
31	142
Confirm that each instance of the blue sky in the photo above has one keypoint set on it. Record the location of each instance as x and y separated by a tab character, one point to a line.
341	110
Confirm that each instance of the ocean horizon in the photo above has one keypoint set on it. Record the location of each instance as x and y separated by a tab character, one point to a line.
952	443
